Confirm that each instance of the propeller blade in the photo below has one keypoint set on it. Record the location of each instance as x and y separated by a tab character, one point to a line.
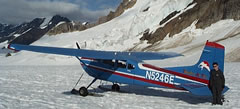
77	45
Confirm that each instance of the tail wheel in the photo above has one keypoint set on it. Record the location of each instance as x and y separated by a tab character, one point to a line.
115	87
83	91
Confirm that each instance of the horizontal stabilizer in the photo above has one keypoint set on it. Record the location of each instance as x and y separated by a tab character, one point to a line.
200	90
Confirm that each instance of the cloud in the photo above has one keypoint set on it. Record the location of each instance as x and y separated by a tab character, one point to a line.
18	11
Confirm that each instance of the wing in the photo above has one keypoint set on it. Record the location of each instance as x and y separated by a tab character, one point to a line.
95	53
153	55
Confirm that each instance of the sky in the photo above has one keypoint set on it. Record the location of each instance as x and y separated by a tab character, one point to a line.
18	11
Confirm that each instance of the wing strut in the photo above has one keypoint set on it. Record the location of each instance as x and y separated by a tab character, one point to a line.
74	91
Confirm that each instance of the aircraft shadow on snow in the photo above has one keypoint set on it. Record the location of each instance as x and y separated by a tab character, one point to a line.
146	91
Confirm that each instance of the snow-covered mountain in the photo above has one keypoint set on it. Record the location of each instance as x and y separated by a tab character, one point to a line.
152	25
78	26
181	26
28	32
4	29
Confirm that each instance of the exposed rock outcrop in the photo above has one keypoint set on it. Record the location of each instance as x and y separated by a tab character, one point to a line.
33	31
126	4
5	29
77	26
67	27
206	12
10	32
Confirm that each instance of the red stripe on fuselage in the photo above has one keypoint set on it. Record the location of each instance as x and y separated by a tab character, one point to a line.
137	78
87	58
176	73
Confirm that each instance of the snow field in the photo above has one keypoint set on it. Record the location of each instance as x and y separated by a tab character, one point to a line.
47	87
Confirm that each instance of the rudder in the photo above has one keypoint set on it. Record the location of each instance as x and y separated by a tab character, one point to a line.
212	52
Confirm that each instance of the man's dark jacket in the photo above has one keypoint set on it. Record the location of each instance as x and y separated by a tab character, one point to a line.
216	79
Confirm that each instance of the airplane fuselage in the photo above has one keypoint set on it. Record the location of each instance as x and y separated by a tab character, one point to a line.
121	71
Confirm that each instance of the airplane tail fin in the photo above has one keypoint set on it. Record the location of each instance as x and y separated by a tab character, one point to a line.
212	52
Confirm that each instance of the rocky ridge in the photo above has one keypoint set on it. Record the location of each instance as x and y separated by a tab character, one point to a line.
28	32
78	26
205	12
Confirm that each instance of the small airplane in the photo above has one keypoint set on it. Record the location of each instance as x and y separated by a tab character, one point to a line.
129	67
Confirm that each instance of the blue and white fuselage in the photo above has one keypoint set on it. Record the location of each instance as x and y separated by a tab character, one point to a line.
128	67
130	72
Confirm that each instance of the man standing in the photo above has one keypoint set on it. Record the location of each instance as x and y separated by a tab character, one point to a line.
216	84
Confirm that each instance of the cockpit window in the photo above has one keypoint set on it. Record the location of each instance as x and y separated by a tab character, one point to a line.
130	66
109	62
122	64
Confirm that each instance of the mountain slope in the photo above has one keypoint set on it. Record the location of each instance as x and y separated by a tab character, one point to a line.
124	32
204	11
77	26
28	32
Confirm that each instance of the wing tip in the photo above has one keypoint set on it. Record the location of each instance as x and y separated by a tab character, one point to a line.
10	47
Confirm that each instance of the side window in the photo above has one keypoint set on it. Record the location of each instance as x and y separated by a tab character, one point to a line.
109	62
130	66
122	64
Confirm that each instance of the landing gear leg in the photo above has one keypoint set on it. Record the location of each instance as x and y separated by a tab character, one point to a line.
115	87
75	91
83	90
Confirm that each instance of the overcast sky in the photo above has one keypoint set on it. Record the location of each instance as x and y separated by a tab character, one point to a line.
18	11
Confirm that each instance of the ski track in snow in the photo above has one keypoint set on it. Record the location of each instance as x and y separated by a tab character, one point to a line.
44	87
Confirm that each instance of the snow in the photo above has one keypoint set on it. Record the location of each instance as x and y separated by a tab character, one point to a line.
43	27
119	34
3	52
16	35
45	23
60	23
189	42
181	11
85	23
48	87
123	33
27	30
35	80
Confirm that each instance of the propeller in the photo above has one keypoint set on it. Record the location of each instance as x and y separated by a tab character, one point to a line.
77	45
